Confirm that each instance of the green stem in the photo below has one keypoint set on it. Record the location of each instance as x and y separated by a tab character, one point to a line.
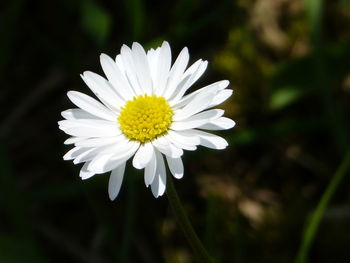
316	216
185	224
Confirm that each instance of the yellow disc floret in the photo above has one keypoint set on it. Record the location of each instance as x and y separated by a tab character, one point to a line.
145	118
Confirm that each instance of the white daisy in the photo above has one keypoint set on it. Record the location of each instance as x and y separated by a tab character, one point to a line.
143	113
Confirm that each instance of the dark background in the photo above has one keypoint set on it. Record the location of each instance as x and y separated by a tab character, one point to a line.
289	66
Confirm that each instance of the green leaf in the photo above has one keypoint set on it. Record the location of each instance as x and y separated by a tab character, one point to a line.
96	21
284	97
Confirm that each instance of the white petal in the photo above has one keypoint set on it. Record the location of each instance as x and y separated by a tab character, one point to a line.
85	122
176	72
116	77
73	140
197	73
93	132
159	183
99	164
74	152
193	68
120	65
153	59
163	69
210	140
96	142
197	120
89	128
183	84
142	68
164	146
199	103
193	72
151	56
103	90
150	170
212	88
87	155
186	125
184	137
109	148
206	115
75	114
143	156
85	173
176	167
91	105
182	145
115	181
106	162
130	70
220	97
222	123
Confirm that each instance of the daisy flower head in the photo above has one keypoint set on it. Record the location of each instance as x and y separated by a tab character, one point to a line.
143	113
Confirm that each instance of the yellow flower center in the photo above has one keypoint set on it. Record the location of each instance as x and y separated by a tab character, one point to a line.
145	118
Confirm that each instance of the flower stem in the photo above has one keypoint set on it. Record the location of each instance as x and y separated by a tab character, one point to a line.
316	217
185	223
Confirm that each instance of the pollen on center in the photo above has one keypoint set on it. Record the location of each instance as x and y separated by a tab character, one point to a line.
144	118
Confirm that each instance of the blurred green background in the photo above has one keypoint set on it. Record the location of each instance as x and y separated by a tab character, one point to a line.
289	66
